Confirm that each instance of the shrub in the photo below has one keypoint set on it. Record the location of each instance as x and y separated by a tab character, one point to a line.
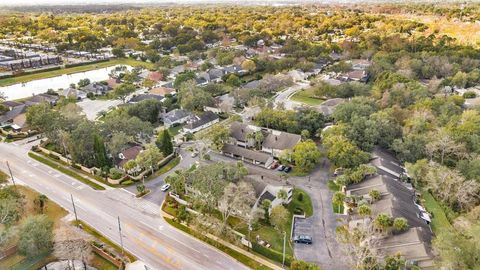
271	254
469	94
76	166
300	197
127	182
115	173
53	156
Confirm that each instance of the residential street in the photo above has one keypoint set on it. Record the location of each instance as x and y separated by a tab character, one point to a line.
145	233
284	96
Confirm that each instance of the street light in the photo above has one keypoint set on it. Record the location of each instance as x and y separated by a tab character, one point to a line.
284	242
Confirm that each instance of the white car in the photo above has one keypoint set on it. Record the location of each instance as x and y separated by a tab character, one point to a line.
165	187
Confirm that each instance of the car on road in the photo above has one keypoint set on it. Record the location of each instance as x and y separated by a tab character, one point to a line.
165	187
287	169
338	171
273	166
194	154
281	168
303	239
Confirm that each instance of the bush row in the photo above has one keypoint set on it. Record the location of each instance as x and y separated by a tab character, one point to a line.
271	254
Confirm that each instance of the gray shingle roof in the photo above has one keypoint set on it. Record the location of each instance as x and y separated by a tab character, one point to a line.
206	117
176	115
247	153
239	131
10	115
281	140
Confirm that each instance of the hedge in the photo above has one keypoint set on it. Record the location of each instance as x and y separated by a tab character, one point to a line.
29	72
271	254
85	63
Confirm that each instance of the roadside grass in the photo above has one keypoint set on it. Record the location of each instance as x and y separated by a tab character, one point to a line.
52	210
166	168
274	237
233	253
3	177
64	170
307	96
175	130
88	229
71	70
440	221
333	186
301	200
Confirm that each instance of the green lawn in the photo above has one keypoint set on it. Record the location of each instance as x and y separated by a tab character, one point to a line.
233	253
71	70
55	165
301	200
439	221
167	167
307	96
175	129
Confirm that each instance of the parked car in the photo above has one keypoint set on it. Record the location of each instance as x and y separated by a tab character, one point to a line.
287	169
281	168
165	187
274	166
303	239
173	194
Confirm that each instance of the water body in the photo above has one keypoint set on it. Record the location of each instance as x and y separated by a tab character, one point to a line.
23	90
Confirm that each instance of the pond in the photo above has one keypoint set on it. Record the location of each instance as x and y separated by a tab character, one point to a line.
23	90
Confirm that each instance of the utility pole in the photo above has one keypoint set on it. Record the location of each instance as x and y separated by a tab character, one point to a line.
120	232
74	208
11	175
284	242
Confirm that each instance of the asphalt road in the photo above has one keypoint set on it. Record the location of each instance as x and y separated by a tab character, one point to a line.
284	96
145	233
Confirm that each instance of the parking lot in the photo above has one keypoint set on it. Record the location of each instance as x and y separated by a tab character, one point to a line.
91	108
304	226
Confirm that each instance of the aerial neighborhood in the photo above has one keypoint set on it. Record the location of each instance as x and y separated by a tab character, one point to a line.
263	136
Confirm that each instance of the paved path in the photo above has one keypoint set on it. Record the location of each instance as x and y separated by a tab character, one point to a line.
284	96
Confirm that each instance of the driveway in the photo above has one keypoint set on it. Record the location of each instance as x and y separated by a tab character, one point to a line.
91	108
157	196
284	96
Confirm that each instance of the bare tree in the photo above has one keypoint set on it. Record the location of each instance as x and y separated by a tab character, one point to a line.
443	146
72	244
237	199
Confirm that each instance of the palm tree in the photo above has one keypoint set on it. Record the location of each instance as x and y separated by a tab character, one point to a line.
259	139
282	194
266	207
338	199
3	97
364	210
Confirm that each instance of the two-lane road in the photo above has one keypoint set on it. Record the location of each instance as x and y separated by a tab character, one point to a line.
145	233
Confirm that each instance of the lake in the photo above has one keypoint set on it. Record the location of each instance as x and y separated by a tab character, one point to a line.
23	90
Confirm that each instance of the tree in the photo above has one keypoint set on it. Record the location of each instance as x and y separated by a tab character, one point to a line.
3	97
236	199
184	77
11	205
35	236
383	222
282	194
305	134
400	224
306	155
338	199
177	181
101	158
118	52
266	203
164	142
118	143
40	203
248	65
364	210
146	110
233	80
442	146
141	189
149	158
193	98
394	262
303	265
279	217
123	91
83	82
374	195
71	243
343	153
219	135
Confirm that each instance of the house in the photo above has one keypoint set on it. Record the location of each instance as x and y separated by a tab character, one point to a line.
155	76
328	107
142	97
269	192
234	69
387	164
126	155
203	121
73	93
40	98
216	74
360	64
247	155
243	134
252	84
355	75
162	91
297	75
177	116
15	118
97	89
278	141
11	104
222	104
113	82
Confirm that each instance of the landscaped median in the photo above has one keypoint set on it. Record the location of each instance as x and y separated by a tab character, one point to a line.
65	170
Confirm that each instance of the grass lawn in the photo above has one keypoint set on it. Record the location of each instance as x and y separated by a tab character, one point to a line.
52	210
274	237
306	96
55	165
233	253
175	130
167	167
333	186
71	70
104	239
439	220
301	200
3	177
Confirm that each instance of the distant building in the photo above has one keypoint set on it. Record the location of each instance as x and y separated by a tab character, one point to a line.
97	89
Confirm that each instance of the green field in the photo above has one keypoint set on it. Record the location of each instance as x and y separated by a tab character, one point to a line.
71	70
307	96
